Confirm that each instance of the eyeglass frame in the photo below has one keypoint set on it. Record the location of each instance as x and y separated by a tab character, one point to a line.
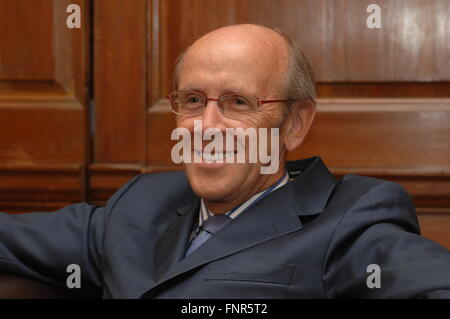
259	102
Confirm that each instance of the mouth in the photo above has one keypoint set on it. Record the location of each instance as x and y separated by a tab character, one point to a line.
218	156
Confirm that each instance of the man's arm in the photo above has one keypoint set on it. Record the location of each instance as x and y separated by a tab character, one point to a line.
41	246
381	228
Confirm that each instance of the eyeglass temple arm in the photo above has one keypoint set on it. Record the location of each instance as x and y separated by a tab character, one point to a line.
272	101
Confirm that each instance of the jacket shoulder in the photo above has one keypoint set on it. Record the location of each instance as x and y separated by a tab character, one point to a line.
357	196
143	185
356	186
151	196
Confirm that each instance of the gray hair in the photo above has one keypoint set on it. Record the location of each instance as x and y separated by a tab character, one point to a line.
299	82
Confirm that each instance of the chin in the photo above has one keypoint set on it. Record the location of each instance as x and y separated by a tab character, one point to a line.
215	191
214	187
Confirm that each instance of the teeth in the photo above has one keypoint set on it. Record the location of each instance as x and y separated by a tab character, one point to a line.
218	156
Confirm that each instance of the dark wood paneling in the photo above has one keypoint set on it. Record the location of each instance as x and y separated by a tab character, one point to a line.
26	29
44	186
41	131
412	45
383	133
436	227
161	123
120	86
43	96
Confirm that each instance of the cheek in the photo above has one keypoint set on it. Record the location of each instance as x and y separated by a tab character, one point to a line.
267	118
185	123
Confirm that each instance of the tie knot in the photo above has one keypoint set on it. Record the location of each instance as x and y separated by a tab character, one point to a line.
216	222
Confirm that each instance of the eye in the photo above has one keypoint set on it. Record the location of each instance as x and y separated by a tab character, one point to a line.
234	104
239	101
193	99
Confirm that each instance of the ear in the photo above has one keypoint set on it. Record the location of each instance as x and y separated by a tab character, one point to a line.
298	124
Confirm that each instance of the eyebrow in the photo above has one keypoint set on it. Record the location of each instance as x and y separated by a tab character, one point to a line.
228	90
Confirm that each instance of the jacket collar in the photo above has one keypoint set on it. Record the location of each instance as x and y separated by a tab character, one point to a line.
312	186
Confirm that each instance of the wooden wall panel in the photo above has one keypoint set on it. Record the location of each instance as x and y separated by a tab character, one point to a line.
402	133
43	95
412	45
35	135
120	93
26	40
435	226
120	81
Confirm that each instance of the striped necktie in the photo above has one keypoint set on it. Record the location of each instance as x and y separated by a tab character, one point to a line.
212	225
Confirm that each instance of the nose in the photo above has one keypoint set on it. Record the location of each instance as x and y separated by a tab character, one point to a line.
212	116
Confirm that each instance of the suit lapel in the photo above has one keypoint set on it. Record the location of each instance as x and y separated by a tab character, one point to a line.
313	187
172	244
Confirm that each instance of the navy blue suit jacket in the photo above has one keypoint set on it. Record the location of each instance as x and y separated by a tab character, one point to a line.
312	238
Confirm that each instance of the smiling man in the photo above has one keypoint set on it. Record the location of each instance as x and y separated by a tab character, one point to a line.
242	64
225	230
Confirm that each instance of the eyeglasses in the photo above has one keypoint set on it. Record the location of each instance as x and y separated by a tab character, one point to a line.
234	106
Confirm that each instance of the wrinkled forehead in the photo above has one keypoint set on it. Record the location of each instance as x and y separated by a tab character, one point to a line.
237	56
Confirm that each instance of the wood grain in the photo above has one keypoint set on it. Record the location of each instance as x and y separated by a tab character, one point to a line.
26	29
436	227
44	142
380	133
120	81
413	44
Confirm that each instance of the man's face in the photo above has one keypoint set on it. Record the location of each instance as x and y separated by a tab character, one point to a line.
223	67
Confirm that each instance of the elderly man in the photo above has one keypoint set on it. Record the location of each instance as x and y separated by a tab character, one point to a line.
222	229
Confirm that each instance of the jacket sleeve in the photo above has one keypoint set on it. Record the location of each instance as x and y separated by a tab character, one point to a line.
41	246
381	228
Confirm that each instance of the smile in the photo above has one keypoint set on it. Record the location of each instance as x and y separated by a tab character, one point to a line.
217	156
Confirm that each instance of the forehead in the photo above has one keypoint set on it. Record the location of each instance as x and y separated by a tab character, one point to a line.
225	63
